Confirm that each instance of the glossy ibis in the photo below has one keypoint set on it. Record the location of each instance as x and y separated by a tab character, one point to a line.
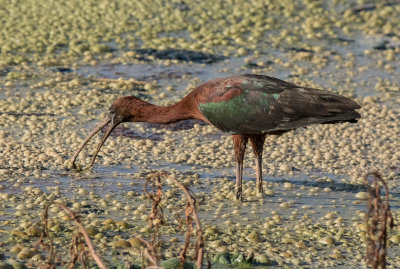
247	106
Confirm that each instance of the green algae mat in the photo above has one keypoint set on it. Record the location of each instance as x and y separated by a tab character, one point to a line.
62	63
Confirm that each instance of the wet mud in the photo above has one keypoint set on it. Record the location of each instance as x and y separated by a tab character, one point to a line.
54	90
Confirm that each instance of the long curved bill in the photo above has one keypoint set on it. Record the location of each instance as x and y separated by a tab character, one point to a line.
103	123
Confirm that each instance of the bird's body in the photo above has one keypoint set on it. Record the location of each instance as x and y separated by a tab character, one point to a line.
247	106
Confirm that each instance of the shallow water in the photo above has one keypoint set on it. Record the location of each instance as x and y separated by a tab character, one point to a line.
311	176
313	194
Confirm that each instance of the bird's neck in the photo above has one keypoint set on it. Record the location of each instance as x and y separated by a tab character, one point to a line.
163	114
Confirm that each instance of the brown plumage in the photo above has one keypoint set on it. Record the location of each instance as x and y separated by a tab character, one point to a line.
247	106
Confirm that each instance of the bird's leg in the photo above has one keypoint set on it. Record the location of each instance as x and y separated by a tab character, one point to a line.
257	143
239	144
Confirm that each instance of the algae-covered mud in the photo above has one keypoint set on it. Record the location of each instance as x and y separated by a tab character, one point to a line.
62	63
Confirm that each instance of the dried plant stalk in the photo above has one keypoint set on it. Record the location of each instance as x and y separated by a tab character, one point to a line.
190	213
379	217
156	219
149	253
156	215
75	252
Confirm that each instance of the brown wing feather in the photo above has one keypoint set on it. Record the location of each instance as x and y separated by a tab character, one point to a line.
284	106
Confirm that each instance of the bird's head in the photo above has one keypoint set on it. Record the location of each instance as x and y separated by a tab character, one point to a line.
121	110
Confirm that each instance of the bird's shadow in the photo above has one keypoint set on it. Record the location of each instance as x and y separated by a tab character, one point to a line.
175	126
181	55
334	186
155	136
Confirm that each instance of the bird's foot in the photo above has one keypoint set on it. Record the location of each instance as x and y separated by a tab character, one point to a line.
239	196
90	166
75	166
70	165
260	194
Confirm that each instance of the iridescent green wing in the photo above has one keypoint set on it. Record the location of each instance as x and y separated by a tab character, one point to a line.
240	104
253	104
